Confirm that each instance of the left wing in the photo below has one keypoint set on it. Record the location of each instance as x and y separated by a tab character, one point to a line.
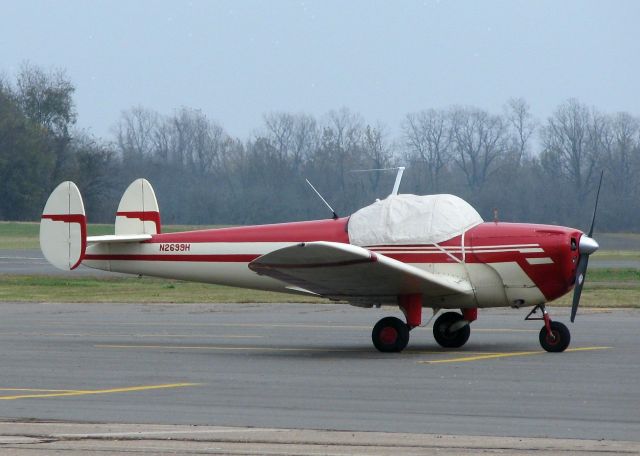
352	273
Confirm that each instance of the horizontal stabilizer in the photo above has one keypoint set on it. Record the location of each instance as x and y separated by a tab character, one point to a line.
115	239
349	272
138	211
63	227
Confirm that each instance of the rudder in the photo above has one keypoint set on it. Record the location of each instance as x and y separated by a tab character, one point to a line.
138	211
63	227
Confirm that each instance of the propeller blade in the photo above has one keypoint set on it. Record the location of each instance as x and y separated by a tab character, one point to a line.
595	209
581	273
587	246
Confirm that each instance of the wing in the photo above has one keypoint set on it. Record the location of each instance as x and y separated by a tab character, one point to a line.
355	274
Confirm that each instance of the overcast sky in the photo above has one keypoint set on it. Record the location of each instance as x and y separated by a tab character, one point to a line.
237	60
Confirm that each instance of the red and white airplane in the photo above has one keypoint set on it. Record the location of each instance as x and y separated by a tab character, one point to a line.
410	251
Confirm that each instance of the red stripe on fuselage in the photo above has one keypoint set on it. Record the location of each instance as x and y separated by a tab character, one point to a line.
230	258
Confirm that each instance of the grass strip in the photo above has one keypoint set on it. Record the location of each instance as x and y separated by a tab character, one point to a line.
34	288
631	275
612	255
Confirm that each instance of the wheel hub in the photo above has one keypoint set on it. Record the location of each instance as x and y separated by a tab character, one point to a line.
388	335
553	338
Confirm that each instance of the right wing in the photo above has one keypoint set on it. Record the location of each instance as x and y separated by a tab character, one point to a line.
348	272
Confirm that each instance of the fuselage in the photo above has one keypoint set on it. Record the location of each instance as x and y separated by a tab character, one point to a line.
508	264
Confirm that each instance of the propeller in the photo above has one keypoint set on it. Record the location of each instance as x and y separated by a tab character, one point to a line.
586	247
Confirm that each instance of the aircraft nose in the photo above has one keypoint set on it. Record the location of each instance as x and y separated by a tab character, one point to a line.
588	245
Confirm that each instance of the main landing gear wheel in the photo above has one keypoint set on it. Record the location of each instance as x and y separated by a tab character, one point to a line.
443	334
390	335
558	340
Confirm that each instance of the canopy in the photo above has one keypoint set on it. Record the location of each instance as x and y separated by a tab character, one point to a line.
412	219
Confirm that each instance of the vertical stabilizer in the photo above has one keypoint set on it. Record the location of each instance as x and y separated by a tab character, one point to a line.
138	211
63	227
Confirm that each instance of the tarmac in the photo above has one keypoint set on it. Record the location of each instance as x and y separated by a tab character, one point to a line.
305	379
125	439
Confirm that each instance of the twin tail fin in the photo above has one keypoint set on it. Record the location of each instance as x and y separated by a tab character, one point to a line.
63	226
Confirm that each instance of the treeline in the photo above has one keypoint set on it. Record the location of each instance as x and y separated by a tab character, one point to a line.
528	169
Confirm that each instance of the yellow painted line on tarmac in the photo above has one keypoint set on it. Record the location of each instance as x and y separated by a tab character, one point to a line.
67	393
139	336
444	352
38	390
504	355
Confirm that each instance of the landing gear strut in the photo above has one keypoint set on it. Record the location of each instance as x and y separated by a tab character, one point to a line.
392	334
451	329
554	336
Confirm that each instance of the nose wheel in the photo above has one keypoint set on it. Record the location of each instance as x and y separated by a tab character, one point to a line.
557	340
554	336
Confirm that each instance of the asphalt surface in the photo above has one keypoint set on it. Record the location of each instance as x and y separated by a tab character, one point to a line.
310	366
31	261
56	438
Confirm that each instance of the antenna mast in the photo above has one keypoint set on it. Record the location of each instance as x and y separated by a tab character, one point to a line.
335	216
396	184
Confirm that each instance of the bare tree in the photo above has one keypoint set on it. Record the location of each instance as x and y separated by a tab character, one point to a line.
341	145
428	137
293	136
479	141
522	126
621	148
280	128
377	151
136	133
572	140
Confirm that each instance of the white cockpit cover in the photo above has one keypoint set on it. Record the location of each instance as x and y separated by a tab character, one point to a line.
412	219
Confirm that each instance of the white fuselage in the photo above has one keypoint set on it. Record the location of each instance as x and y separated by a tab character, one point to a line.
226	263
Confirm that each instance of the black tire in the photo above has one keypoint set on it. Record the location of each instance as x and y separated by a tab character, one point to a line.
390	335
560	340
444	336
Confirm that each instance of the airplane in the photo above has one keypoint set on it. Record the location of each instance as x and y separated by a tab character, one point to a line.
414	252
